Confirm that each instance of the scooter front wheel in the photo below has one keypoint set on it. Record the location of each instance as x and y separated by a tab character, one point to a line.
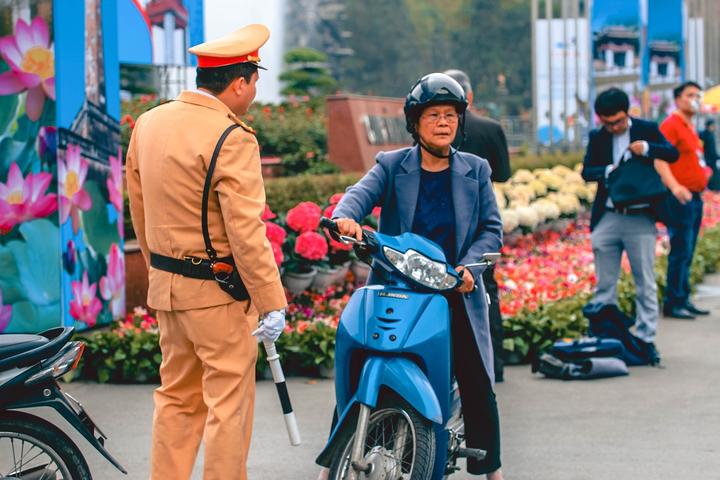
400	445
32	448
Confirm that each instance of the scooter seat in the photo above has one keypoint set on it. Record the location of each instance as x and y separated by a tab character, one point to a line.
15	344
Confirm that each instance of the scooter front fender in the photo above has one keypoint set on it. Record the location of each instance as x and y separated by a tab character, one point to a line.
400	375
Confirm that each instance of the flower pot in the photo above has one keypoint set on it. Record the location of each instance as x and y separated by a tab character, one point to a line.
326	372
324	278
136	275
298	282
342	273
361	270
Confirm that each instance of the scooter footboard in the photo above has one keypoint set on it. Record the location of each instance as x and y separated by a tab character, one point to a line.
402	376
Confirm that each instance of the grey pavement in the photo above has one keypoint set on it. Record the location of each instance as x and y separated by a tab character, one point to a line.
657	423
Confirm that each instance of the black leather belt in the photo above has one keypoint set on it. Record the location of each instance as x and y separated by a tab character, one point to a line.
632	210
192	267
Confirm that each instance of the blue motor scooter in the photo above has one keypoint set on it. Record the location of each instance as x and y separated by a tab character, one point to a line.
398	406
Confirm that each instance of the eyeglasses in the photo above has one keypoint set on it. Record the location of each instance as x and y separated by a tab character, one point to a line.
614	124
434	117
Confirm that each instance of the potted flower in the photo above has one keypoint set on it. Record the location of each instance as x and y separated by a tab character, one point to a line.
300	270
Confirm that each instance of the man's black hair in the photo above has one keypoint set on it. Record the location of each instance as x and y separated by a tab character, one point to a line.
217	79
677	91
612	101
709	123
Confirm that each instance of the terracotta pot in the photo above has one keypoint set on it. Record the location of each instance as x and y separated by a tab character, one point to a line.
297	282
136	276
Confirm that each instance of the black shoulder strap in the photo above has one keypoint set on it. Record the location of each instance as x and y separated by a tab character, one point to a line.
212	254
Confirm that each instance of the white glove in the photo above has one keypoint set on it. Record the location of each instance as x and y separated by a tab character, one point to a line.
271	326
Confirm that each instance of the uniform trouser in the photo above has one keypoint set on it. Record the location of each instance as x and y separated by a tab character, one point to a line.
635	234
683	239
207	392
479	407
497	332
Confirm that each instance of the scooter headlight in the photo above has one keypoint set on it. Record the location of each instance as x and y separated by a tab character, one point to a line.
421	269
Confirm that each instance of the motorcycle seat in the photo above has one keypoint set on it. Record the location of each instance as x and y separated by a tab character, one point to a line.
15	344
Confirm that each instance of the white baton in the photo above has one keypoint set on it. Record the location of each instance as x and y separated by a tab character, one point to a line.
279	378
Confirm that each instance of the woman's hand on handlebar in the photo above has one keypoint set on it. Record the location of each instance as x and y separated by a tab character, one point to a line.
349	228
468	283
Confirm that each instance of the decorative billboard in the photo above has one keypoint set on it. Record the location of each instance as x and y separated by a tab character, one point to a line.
61	246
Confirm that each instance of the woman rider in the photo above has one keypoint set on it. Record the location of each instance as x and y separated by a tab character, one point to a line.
434	190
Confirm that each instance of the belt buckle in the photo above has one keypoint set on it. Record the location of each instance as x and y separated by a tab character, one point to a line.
193	260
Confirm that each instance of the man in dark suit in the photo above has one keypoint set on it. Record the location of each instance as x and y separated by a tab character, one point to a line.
485	138
630	229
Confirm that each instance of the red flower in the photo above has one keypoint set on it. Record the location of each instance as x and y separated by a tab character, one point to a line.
268	214
329	211
376	212
277	253
275	233
335	198
339	246
304	217
311	246
127	118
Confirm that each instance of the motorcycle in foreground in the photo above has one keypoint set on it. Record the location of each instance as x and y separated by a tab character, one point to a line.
32	448
398	406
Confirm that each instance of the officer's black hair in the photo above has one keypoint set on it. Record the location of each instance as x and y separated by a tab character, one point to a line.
612	101
677	91
217	79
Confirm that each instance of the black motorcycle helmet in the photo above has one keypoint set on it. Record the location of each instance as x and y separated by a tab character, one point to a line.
434	89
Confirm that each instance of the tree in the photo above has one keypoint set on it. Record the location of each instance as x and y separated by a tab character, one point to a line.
307	73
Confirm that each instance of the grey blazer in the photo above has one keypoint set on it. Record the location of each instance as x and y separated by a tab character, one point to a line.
394	182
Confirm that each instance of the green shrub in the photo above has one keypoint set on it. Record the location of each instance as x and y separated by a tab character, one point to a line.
285	193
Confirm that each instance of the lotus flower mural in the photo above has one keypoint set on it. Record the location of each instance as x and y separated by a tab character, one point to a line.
5	314
85	306
71	178
29	54
24	198
112	286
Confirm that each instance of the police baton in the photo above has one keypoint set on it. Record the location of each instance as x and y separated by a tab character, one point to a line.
279	378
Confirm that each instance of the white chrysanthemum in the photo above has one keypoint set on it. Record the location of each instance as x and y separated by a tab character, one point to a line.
539	188
500	199
522	176
561	170
510	220
528	217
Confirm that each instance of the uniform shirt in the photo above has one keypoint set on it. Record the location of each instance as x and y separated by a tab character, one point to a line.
434	214
688	170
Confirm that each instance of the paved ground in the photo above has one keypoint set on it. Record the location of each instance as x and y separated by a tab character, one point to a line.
658	423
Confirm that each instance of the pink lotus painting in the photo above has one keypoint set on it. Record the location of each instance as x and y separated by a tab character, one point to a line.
24	198
85	306
29	54
71	177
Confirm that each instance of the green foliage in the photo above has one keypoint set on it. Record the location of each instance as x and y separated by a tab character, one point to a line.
307	73
285	193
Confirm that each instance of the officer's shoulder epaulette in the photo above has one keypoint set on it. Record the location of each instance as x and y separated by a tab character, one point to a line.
242	124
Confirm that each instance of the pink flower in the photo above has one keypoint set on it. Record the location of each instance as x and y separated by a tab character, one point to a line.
112	285
335	198
115	185
311	246
275	233
71	176
376	212
5	314
304	217
328	212
339	246
277	253
23	199
268	214
85	306
30	57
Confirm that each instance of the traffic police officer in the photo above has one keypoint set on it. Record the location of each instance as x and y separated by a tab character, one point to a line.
208	368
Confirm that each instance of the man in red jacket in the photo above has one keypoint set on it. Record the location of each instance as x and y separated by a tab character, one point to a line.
686	179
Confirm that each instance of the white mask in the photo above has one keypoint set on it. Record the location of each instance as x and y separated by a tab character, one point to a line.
695	105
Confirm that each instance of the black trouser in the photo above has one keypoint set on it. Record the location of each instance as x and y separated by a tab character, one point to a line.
497	334
480	412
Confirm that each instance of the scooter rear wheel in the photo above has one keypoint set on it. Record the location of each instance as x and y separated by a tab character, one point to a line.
32	448
400	445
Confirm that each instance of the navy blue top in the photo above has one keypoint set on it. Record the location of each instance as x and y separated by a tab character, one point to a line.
434	215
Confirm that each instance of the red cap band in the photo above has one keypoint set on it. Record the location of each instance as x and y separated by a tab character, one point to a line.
210	62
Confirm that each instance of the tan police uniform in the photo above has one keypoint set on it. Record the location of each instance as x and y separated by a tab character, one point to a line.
208	369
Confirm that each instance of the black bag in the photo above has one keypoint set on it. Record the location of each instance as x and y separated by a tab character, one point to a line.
635	182
224	271
609	322
584	348
584	369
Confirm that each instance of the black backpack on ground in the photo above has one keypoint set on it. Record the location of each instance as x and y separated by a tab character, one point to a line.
608	321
